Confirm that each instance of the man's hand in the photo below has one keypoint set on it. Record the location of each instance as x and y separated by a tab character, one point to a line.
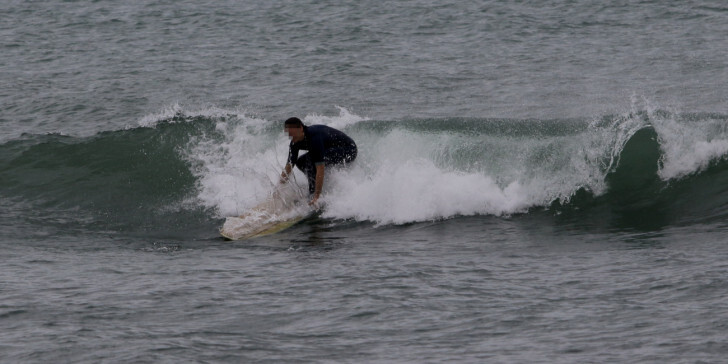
286	172
314	200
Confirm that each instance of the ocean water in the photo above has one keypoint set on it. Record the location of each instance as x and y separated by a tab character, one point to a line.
536	181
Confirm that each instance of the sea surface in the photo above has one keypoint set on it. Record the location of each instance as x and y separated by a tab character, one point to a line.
537	181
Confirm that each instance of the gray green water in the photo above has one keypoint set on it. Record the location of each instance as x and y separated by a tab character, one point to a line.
537	181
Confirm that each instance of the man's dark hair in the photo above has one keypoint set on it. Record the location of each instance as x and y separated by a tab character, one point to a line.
294	122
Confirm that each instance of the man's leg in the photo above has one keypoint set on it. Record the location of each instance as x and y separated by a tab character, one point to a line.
340	155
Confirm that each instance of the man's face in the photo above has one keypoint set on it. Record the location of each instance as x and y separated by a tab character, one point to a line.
294	132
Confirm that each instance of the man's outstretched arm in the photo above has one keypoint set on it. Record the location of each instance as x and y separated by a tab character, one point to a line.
286	172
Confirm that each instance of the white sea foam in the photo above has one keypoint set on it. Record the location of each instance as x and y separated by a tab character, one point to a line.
418	191
237	172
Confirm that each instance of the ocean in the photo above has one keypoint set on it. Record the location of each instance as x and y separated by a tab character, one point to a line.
537	181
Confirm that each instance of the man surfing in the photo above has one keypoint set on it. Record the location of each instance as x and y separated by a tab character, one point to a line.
326	146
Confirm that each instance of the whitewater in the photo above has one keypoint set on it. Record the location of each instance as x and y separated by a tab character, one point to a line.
425	170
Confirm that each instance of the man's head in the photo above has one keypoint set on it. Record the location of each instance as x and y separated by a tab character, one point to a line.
294	128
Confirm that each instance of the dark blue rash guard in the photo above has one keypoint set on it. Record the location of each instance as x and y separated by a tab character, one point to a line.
325	145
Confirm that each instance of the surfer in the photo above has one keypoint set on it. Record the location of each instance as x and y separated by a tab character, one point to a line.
326	146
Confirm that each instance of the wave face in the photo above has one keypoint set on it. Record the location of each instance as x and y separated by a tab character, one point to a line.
183	168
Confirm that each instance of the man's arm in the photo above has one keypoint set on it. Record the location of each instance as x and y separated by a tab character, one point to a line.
319	183
286	173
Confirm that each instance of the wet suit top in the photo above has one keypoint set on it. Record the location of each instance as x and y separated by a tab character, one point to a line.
324	144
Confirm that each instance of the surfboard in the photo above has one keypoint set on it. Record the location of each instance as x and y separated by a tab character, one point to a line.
283	208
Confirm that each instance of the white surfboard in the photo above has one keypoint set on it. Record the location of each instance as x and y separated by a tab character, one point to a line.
282	209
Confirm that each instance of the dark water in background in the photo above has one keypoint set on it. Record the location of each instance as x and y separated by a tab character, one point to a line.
537	182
